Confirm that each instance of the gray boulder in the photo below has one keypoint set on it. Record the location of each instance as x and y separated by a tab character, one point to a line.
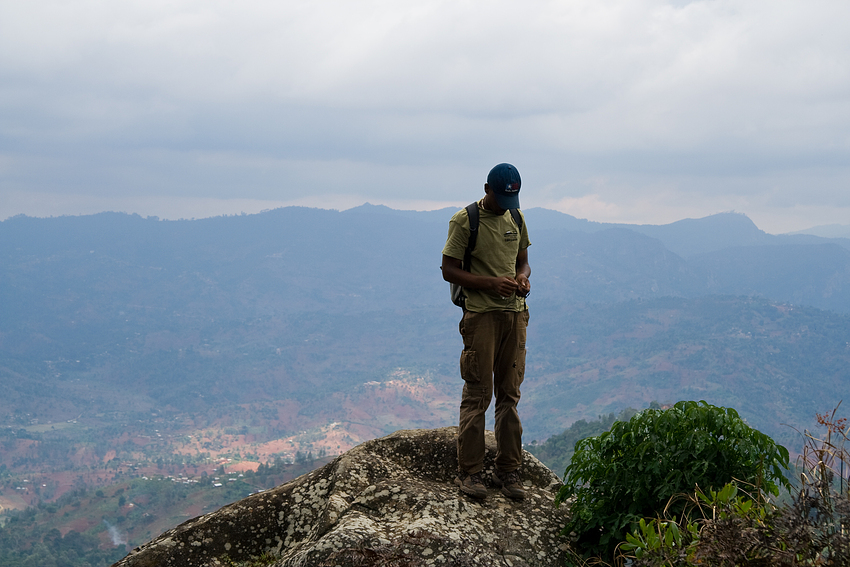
389	502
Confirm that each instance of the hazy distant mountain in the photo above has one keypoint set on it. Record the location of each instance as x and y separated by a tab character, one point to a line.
809	274
300	259
696	236
724	253
827	231
689	237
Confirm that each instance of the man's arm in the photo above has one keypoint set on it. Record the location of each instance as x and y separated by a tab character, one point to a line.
523	272
453	272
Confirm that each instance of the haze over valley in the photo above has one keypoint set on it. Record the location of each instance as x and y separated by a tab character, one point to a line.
135	347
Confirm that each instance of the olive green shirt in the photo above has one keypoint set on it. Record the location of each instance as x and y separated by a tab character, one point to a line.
499	242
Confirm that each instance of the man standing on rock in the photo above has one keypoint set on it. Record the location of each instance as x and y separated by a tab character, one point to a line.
494	285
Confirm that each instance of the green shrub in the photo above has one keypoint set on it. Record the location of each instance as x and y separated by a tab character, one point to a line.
726	529
632	471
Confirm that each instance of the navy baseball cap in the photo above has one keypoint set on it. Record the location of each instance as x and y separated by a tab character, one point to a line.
505	182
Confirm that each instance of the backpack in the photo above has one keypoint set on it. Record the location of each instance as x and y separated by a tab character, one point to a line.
458	297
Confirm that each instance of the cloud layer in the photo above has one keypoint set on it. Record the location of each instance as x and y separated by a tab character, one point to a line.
634	111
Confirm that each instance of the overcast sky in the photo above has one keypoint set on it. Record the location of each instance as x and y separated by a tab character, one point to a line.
639	111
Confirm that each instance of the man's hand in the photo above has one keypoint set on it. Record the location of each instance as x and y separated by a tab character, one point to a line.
503	286
523	285
523	272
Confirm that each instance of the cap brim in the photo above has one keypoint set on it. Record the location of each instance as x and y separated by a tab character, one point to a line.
507	201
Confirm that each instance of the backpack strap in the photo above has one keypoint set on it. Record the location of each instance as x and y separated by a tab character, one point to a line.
517	218
472	212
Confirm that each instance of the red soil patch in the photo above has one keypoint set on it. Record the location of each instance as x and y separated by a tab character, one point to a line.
78	525
242	467
194	511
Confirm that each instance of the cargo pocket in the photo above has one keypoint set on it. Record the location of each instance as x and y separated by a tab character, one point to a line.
520	366
469	366
521	336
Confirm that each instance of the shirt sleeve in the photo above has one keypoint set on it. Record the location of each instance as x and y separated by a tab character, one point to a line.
458	237
524	242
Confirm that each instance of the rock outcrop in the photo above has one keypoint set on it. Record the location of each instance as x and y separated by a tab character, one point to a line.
389	502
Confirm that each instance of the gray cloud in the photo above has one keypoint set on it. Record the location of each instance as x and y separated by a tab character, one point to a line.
636	111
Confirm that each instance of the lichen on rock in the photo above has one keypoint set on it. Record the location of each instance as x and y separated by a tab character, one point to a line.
390	501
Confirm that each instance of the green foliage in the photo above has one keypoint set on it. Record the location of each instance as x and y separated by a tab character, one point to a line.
633	470
557	451
659	538
51	549
665	543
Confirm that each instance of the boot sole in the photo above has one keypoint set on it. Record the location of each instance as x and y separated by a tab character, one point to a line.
513	495
470	492
507	491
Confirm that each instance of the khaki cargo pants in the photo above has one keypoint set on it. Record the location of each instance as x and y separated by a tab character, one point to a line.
492	361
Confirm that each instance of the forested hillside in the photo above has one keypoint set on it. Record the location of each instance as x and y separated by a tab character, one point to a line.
99	525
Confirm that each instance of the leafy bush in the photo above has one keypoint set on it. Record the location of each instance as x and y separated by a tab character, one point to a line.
730	530
632	471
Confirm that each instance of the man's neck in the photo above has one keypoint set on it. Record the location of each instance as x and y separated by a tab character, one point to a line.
490	204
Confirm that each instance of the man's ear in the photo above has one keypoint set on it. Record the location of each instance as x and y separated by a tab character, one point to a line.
487	189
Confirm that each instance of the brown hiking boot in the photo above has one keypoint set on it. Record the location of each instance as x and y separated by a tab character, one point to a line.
471	484
510	482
